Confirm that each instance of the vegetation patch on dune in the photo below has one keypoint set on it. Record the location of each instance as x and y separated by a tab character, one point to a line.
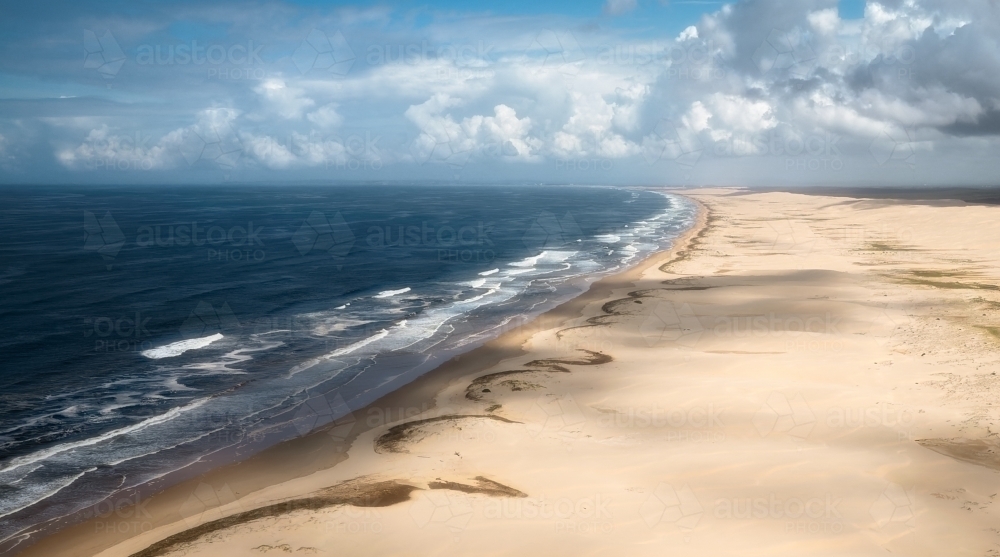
952	285
398	436
358	493
483	486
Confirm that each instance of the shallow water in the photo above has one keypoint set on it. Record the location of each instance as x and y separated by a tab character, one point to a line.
145	329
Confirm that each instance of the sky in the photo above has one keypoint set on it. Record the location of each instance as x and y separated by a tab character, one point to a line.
624	92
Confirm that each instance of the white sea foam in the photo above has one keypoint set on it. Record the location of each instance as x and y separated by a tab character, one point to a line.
43	454
391	293
347	349
557	256
476	283
180	347
419	334
358	345
528	261
481	296
49	488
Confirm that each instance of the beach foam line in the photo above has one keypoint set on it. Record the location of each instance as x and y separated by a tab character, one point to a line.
488	273
476	283
54	487
358	345
43	454
347	349
391	293
180	347
480	297
528	261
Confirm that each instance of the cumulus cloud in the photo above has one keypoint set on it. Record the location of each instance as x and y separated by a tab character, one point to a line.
105	149
526	91
591	130
287	102
443	139
326	116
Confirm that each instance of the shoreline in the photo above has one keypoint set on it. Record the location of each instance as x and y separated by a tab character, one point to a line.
798	375
270	467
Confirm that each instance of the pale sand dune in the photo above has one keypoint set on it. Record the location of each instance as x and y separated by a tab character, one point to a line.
684	411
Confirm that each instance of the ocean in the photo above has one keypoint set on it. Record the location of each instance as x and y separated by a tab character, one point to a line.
145	329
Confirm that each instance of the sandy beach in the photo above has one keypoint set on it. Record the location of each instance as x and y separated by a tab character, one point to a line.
800	375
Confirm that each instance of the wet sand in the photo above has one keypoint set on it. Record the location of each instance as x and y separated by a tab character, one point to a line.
801	374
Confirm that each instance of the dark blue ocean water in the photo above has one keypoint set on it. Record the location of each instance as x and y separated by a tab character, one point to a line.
142	329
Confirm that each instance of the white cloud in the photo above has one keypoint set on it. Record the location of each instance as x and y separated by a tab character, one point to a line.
287	102
326	116
542	91
442	139
735	113
689	32
825	22
298	150
590	131
103	149
619	7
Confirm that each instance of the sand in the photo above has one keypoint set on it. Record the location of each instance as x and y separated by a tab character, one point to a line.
801	375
